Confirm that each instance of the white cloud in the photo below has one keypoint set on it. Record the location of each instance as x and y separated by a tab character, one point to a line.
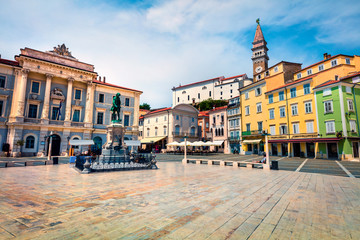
170	42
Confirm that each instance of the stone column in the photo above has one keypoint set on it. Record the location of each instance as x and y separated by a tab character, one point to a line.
46	106
18	102
89	106
68	100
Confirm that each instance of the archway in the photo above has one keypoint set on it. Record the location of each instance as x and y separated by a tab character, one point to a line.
98	145
55	145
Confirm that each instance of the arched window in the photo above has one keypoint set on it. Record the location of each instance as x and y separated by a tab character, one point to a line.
76	147
222	132
177	130
30	142
192	132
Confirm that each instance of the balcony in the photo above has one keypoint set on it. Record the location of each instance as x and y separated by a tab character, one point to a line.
56	122
185	134
234	139
31	120
77	124
294	136
252	133
231	105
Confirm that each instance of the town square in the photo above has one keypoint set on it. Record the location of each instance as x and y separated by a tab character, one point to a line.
179	119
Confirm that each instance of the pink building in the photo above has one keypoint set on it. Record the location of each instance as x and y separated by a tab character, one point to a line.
219	128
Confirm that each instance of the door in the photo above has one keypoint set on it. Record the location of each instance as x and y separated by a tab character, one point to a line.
296	147
284	149
332	151
310	149
274	149
55	144
356	149
256	151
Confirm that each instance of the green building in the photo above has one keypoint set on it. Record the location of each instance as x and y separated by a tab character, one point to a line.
337	103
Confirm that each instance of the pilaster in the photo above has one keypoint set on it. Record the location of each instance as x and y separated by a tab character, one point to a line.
46	106
68	101
18	102
89	106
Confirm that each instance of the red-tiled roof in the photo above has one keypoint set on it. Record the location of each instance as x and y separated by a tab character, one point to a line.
113	85
322	62
218	108
351	75
233	77
327	83
219	78
9	62
203	114
292	83
258	34
158	110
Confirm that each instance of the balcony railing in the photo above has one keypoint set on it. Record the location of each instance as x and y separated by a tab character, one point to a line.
234	139
56	122
294	136
252	133
183	134
32	120
77	124
233	104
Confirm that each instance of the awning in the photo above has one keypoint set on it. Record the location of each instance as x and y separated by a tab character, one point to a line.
173	144
217	143
135	143
76	142
251	141
152	139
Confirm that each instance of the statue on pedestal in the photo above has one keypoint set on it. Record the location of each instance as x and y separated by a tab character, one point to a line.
116	107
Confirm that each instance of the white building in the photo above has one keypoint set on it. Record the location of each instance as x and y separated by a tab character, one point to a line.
216	88
165	125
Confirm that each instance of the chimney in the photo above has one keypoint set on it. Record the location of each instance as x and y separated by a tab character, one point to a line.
104	79
328	56
99	78
325	56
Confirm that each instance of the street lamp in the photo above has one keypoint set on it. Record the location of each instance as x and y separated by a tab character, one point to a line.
50	145
185	149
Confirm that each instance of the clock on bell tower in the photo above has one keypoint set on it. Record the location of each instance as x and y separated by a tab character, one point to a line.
259	52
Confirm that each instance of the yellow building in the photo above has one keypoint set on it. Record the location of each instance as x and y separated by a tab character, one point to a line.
291	107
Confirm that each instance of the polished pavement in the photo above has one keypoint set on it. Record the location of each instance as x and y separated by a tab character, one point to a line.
176	202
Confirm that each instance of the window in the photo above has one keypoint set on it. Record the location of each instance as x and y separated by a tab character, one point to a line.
334	63
126	120
336	77
230	90
295	128
77	94
272	130
271	113
306	89
258	77
55	113
209	93
308	107
164	118
327	92
148	121
32	111
257	91
156	131
298	75
276	69
328	106
1	107
247	110
330	126
309	71
188	97
293	92
100	118
177	117
271	98
350	105
294	109
220	93
101	97
347	60
281	96
258	108
30	142
76	115
192	119
148	132
127	102
178	99
348	89
192	131
321	67
198	95
2	81
164	131
283	129
177	130
282	111
260	126
156	119
352	125
310	127
35	87
248	127
246	95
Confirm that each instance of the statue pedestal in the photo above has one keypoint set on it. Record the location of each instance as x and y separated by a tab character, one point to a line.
114	140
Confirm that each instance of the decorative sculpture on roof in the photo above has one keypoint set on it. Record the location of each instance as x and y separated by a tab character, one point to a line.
62	50
258	21
116	107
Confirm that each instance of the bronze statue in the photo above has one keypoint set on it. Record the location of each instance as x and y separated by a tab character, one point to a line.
116	108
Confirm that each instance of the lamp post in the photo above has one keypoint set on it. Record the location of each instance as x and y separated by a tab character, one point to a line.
267	165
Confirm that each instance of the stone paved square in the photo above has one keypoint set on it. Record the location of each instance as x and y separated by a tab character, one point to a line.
177	202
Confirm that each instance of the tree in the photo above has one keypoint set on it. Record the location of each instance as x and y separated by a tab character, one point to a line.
145	106
210	103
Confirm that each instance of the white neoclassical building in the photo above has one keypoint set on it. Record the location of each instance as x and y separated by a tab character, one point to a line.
219	88
52	94
166	125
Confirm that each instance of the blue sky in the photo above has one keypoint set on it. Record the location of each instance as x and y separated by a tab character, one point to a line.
155	45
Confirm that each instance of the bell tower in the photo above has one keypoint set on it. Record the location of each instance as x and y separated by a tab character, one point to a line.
259	52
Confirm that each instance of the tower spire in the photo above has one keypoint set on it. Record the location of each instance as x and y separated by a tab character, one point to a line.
259	49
